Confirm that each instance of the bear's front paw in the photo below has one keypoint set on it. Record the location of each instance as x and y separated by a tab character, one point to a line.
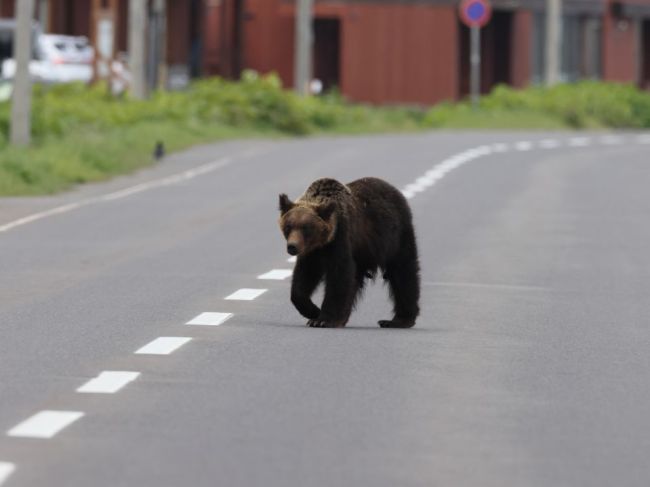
320	323
397	323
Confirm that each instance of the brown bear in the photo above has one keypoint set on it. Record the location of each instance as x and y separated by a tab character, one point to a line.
342	234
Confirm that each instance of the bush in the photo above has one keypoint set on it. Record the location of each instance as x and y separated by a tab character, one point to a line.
587	104
83	134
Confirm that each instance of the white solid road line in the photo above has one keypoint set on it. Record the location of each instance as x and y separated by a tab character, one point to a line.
210	319
276	274
44	424
6	469
163	345
245	294
39	216
138	188
108	382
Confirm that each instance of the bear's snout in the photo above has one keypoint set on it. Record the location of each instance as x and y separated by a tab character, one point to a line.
292	249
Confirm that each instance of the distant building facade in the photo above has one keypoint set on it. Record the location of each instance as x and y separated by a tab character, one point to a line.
384	51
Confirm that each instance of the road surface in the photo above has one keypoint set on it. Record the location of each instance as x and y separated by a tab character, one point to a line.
529	365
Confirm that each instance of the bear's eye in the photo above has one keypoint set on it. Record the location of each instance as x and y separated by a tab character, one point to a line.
287	229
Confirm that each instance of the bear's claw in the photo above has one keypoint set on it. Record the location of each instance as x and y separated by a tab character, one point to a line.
325	324
396	323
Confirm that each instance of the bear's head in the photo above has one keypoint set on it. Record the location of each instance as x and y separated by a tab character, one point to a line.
306	227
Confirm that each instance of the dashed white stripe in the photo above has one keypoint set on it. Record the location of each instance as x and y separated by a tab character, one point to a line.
45	424
579	141
611	139
163	345
138	188
6	469
643	139
523	145
292	259
210	319
549	144
108	382
245	294
500	147
276	274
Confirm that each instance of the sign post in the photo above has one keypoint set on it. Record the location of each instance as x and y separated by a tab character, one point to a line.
475	14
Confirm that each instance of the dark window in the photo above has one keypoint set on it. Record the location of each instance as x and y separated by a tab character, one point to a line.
645	55
327	52
496	53
581	43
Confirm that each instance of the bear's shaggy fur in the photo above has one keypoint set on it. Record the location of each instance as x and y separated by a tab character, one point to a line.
342	235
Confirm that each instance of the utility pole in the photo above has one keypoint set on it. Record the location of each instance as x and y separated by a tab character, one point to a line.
304	39
21	105
137	48
44	15
475	65
553	41
160	9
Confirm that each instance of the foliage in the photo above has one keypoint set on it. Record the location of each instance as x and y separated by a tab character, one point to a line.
588	104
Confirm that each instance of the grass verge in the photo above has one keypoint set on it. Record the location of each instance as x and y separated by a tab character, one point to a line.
82	134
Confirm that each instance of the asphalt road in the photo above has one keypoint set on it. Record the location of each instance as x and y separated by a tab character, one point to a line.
529	365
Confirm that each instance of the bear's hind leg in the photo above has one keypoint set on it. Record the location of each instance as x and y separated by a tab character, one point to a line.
403	276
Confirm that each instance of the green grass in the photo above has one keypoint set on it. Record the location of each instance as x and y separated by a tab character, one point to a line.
467	118
584	105
90	155
82	134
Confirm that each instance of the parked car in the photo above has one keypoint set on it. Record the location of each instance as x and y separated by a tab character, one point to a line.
57	59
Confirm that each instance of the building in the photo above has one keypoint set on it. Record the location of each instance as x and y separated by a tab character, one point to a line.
417	51
382	51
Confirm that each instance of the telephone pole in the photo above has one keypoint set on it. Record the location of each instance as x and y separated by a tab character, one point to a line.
553	41
21	105
137	48
160	10
303	45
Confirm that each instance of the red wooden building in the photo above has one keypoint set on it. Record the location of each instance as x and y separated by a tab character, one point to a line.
384	51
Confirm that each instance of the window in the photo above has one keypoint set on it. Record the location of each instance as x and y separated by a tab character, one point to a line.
581	46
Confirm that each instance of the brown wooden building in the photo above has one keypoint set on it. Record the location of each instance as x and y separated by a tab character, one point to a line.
385	51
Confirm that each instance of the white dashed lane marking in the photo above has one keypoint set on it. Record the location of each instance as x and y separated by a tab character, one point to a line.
524	145
276	274
6	469
548	144
441	169
611	139
163	345
643	139
44	424
245	294
579	141
108	382
210	319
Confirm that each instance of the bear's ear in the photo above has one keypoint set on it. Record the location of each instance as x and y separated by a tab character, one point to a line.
285	203
325	211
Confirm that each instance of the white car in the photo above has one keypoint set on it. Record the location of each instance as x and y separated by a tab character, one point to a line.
57	59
